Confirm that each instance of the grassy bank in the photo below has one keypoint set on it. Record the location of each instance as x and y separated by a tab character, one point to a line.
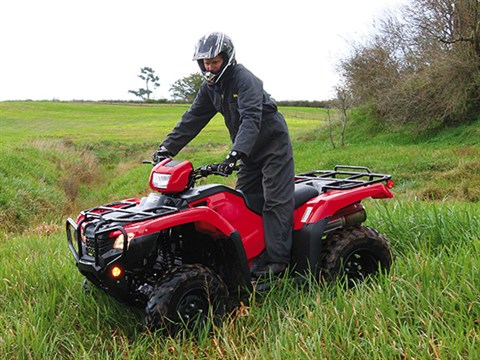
58	158
427	307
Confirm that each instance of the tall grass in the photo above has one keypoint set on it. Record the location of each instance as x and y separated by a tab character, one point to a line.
427	307
57	158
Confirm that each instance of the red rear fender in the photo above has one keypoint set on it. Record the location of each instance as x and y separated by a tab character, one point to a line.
329	203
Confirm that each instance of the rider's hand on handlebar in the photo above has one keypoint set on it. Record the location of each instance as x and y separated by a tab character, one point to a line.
161	154
228	165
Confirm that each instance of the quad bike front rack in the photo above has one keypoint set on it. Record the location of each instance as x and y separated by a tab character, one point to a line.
110	218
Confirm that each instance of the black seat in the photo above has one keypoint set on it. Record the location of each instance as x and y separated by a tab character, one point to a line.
303	193
254	202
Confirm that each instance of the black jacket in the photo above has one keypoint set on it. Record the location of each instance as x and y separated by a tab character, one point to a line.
250	114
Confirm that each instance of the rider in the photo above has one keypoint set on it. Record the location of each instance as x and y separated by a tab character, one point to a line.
260	141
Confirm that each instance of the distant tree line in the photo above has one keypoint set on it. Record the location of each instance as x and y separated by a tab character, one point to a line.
184	90
422	66
305	103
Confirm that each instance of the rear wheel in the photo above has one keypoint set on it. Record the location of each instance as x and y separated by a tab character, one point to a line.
355	253
187	298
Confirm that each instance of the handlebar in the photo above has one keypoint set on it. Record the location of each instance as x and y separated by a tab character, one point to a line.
204	171
211	169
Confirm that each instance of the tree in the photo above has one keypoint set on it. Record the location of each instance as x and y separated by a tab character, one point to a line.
330	127
422	66
147	74
343	103
187	87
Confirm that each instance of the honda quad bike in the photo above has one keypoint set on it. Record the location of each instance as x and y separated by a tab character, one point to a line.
184	252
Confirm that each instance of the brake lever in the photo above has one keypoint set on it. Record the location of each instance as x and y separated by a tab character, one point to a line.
212	169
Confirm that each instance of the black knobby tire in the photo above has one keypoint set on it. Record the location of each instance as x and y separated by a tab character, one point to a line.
355	253
187	297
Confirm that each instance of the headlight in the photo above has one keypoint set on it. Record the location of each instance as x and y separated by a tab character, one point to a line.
118	244
160	181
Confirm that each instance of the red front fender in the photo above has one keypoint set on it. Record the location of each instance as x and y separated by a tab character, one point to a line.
215	224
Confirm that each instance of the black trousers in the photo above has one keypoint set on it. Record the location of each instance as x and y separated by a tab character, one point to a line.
270	172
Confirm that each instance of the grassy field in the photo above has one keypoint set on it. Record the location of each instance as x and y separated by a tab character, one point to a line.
58	158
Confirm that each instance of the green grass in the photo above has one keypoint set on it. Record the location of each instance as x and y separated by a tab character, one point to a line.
427	307
58	158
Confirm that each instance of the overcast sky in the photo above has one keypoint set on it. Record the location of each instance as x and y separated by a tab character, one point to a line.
94	49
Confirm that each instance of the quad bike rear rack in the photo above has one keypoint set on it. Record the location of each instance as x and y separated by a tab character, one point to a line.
342	177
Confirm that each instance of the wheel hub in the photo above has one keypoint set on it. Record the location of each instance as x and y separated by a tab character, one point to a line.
193	305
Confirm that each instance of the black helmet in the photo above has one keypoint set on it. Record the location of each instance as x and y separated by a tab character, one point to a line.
210	46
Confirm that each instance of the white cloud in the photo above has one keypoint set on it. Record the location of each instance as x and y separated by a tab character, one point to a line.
95	49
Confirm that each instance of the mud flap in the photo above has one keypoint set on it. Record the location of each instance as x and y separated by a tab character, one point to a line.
307	247
238	276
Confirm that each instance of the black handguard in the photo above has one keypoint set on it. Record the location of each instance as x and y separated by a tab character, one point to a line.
160	155
229	164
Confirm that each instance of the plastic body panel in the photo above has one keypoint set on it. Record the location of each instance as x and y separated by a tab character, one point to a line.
179	175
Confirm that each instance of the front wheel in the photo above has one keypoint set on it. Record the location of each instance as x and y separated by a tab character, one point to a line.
186	298
355	253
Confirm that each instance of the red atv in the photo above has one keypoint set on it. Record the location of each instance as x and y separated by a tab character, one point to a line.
185	252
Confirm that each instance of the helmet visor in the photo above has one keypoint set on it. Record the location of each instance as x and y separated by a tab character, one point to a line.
209	46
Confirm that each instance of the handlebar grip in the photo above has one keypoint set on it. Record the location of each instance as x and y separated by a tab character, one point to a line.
214	167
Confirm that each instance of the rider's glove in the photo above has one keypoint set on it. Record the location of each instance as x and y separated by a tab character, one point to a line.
161	154
229	163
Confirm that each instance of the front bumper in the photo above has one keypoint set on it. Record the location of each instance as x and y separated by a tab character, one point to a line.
91	258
